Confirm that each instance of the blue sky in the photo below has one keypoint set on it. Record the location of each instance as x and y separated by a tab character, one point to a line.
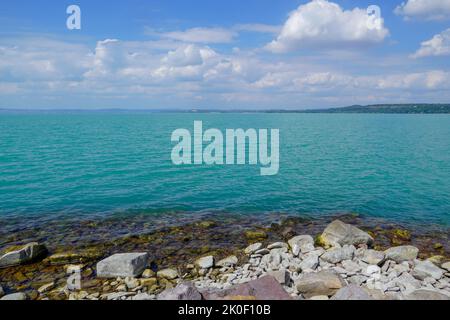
255	54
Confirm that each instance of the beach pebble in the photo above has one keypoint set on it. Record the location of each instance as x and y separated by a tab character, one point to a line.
15	296
205	262
169	274
252	248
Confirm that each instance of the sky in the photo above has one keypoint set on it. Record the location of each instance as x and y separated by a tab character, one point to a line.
217	54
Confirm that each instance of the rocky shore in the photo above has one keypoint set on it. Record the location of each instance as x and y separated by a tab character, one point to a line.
342	263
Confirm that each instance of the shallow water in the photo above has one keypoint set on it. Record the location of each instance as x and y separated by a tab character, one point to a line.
87	164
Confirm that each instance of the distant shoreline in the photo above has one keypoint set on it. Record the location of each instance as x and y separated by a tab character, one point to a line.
421	108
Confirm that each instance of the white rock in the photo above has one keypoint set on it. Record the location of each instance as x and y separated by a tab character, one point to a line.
424	269
339	233
336	255
373	257
205	262
401	253
15	296
371	270
253	248
446	266
122	265
277	245
230	261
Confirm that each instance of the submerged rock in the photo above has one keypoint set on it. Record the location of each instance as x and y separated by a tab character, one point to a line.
24	254
352	292
205	262
15	296
122	265
402	253
184	291
340	233
318	284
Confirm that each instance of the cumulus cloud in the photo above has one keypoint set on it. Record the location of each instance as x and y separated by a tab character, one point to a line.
202	35
439	45
321	23
425	9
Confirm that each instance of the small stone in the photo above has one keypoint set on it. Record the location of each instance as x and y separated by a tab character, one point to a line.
122	265
446	266
424	269
402	253
205	262
21	255
253	248
352	292
319	298
255	235
371	270
15	297
143	297
277	245
310	262
230	261
303	244
131	283
169	274
148	273
46	287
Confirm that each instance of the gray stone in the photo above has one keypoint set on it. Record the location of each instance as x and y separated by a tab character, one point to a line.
282	276
351	266
341	233
122	265
446	266
424	294
402	253
169	274
337	255
28	253
230	261
2	292
143	297
184	291
277	245
352	292
253	248
303	244
15	296
321	283
373	257
205	262
424	269
310	262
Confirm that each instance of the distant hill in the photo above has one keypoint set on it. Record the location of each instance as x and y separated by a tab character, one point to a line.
389	108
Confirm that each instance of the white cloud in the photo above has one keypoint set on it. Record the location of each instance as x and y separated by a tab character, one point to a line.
425	9
439	45
257	27
202	35
321	23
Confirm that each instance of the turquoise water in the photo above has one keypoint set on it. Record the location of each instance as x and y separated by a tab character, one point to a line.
390	166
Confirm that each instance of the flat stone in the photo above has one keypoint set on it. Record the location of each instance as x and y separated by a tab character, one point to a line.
402	253
373	257
277	245
337	255
424	269
352	292
446	266
122	265
15	296
230	261
253	248
46	287
310	262
205	262
169	274
30	252
282	276
264	288
340	233
321	283
424	294
184	291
